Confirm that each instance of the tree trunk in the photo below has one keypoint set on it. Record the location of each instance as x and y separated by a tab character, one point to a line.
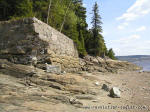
49	7
65	16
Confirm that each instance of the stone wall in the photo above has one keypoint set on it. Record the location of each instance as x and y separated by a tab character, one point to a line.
23	40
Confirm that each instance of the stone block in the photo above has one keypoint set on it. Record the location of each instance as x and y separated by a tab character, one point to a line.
53	69
30	34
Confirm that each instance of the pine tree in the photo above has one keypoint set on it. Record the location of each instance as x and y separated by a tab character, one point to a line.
111	54
15	9
24	8
97	42
4	10
80	12
74	25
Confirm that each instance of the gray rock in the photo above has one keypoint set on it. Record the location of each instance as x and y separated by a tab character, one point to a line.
53	69
105	87
140	71
34	60
75	101
115	92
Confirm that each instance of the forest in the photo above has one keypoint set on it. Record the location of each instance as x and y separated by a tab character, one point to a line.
68	17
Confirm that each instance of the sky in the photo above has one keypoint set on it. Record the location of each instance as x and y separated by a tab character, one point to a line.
126	25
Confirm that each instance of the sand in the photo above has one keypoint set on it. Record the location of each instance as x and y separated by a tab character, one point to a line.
135	92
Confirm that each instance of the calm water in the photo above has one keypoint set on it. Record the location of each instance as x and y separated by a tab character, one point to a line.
140	60
143	63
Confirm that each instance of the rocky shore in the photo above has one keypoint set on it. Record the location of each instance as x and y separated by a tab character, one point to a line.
25	88
40	71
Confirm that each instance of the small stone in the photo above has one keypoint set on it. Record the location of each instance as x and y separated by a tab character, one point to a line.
97	83
72	100
2	66
94	100
105	87
33	60
140	71
115	92
75	101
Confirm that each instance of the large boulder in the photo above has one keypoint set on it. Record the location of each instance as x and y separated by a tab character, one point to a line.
115	92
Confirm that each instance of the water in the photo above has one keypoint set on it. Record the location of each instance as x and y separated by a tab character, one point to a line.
143	63
140	60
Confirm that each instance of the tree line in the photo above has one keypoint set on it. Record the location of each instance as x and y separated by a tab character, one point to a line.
67	16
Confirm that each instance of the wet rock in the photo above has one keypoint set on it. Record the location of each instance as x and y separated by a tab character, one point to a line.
105	87
115	92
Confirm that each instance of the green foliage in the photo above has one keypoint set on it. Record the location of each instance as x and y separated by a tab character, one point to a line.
71	14
24	8
111	54
80	12
81	48
15	9
97	43
96	20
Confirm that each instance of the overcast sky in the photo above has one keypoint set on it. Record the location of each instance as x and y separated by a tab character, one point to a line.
126	25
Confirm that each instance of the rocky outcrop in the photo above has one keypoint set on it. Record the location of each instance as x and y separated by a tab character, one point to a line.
29	89
99	64
23	41
25	88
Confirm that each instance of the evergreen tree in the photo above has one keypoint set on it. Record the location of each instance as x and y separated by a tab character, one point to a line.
15	9
75	25
111	54
80	12
98	47
81	47
23	8
4	10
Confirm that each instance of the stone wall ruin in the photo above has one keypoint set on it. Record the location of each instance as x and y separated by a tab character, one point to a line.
29	38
